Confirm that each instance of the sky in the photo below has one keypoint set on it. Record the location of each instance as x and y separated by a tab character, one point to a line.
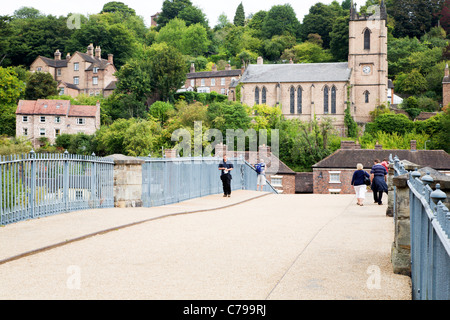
146	8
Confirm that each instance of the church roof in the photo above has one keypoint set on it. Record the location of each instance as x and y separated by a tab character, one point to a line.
301	72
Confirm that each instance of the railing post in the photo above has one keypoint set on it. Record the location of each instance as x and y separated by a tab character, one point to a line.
94	182
66	181
32	198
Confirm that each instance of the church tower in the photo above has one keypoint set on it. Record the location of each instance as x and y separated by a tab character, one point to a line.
368	60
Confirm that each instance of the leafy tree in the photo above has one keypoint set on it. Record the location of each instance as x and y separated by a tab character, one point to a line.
239	16
40	85
161	111
195	40
339	39
117	6
256	23
319	20
170	10
11	89
193	15
279	20
308	52
411	83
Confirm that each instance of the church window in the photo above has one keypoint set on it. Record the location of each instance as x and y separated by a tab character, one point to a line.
325	99
292	96
367	39
366	96
263	95
299	100
333	100
256	95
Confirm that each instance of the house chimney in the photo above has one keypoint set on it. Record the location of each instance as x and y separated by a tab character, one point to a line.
192	67
57	55
446	70
98	52
214	67
170	153
90	50
228	67
378	146
260	60
110	58
347	144
413	145
68	56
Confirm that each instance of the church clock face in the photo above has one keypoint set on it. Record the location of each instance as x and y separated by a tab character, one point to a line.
366	69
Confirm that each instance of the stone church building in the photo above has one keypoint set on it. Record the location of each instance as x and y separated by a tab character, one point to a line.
308	90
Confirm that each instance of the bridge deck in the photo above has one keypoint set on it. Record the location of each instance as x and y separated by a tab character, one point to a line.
250	246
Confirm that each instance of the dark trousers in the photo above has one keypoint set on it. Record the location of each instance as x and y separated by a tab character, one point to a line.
226	183
377	196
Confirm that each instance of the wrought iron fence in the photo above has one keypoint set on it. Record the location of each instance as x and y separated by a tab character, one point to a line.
171	180
430	237
36	185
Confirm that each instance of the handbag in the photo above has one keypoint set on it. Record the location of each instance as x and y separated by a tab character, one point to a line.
367	181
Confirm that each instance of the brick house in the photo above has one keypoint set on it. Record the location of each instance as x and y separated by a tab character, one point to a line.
219	81
82	73
42	118
334	173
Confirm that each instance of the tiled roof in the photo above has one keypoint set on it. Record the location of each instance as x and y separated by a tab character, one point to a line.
43	106
95	62
111	85
300	72
54	107
82	111
69	85
213	74
54	63
349	158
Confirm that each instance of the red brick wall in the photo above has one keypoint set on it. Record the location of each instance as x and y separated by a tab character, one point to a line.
322	185
445	94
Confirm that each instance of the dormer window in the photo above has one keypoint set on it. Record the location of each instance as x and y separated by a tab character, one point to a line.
95	70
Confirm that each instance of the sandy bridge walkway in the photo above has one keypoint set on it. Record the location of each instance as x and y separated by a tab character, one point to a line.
268	247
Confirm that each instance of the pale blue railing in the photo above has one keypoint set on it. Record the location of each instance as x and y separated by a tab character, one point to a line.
430	237
171	180
35	185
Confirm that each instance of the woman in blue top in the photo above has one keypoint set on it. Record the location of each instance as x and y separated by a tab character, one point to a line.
379	185
358	183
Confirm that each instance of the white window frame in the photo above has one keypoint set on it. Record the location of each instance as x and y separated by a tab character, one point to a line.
24	118
222	81
213	82
276	181
76	80
81	121
57	119
76	66
57	132
58	72
61	91
192	82
39	69
25	131
42	119
95	70
333	174
42	132
202	82
94	80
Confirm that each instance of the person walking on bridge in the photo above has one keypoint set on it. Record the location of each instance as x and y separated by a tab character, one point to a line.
379	185
225	176
359	184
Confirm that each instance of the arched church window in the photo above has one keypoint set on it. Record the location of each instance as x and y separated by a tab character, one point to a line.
367	39
299	100
292	97
263	95
333	100
325	99
256	95
366	96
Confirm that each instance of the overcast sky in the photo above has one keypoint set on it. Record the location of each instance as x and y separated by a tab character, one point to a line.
147	8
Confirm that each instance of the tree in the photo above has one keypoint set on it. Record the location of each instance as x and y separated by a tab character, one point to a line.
308	52
11	89
280	19
239	16
170	10
339	39
40	85
116	6
193	15
411	83
319	20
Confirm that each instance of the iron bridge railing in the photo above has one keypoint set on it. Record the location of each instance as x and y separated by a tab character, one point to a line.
171	180
35	185
430	237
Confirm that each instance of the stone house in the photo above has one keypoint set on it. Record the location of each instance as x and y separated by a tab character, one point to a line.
308	90
214	80
42	118
82	73
334	173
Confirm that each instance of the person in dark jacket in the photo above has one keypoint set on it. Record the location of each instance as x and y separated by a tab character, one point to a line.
359	184
379	176
225	176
